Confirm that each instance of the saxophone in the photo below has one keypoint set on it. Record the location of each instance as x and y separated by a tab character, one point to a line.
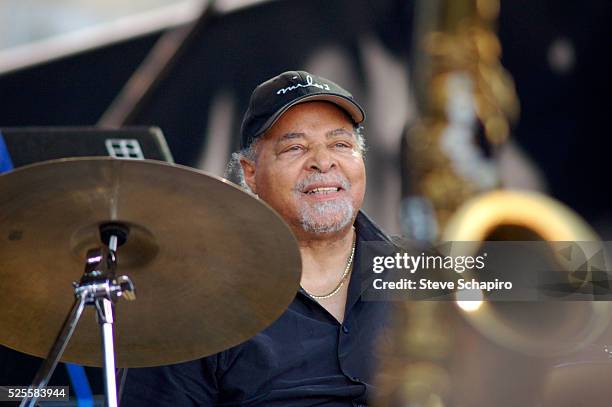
437	352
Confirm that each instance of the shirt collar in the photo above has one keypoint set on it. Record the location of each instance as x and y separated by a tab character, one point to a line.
367	231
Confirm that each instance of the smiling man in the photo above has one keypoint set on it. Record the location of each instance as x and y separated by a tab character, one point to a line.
302	153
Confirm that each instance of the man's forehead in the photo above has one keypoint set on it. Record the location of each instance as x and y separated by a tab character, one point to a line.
299	117
330	134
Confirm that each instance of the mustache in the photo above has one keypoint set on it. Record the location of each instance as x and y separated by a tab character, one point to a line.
322	179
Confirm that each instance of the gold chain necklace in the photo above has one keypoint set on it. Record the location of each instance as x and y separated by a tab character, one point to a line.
335	291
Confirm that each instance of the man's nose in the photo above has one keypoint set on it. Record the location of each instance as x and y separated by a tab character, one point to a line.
321	159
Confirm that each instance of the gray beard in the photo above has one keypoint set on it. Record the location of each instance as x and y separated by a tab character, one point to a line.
326	217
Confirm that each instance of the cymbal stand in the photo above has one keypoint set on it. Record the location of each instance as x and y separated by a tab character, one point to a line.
100	288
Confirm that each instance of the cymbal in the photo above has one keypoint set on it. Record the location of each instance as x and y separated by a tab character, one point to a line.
211	264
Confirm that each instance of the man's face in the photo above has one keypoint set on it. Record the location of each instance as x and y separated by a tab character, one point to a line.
309	168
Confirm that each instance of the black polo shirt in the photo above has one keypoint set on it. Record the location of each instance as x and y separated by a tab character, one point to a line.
305	358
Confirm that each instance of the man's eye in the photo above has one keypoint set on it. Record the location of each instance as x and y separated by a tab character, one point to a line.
342	145
293	149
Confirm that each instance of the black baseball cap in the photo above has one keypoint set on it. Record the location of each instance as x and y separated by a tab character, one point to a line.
273	97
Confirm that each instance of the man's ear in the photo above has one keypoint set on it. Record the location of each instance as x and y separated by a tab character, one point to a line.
249	168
